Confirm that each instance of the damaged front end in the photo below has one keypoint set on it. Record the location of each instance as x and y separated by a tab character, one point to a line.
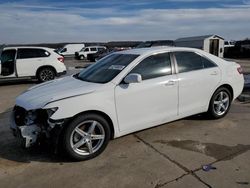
30	127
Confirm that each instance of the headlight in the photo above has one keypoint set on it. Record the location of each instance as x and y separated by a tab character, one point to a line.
30	117
51	111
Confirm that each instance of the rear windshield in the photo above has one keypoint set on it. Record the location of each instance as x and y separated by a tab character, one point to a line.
107	68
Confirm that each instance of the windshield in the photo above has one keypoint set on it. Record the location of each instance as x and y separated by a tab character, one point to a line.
82	49
107	68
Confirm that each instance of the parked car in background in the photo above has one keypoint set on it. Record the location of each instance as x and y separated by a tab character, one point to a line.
229	44
27	62
102	53
70	49
148	44
241	49
125	92
83	53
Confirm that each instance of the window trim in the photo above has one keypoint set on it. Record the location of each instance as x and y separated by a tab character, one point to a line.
176	63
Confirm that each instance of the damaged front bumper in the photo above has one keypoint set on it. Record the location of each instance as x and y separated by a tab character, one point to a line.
27	134
30	134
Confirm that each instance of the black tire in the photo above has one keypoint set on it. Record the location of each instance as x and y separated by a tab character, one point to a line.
213	111
92	59
83	152
88	57
81	57
46	74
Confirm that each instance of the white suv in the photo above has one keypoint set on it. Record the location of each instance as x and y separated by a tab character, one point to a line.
83	54
30	62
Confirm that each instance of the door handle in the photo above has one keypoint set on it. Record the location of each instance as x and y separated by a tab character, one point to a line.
170	83
214	73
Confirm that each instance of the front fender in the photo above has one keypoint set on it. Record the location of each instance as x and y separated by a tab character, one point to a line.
99	101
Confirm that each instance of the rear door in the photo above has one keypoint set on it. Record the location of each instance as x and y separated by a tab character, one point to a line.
29	60
7	64
198	78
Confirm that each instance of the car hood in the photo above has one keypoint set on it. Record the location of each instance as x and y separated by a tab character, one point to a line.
38	96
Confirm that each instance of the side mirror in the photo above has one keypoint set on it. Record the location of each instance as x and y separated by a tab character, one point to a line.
133	78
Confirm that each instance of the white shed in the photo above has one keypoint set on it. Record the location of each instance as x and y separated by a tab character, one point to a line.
213	44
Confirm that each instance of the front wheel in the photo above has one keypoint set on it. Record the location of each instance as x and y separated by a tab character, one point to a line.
86	137
220	103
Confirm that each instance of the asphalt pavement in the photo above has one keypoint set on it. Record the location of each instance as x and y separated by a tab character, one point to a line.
192	152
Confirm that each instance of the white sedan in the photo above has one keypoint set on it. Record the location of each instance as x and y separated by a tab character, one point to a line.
125	92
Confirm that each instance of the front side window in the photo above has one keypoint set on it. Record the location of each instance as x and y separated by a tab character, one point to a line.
190	61
92	49
107	68
25	53
86	50
8	56
154	66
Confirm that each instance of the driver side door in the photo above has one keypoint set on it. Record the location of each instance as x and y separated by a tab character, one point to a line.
7	66
151	102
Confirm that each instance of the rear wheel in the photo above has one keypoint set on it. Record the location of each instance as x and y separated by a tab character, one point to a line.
86	137
45	74
220	103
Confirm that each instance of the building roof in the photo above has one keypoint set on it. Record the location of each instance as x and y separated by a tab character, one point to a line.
196	38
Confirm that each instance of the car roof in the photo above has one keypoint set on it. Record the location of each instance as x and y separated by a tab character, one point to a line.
31	47
158	49
95	46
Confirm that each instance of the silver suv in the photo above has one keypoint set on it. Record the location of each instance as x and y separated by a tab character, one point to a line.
83	53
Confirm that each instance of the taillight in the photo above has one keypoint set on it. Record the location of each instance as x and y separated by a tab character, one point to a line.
240	70
61	59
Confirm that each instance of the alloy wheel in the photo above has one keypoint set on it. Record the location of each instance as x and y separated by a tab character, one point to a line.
46	75
221	103
87	137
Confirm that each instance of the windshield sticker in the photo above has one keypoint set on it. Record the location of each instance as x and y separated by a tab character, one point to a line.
117	67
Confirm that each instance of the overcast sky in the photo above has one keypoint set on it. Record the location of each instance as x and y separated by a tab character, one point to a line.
36	21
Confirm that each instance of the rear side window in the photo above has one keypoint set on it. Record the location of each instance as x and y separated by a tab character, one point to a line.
92	49
190	61
154	66
25	53
207	63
